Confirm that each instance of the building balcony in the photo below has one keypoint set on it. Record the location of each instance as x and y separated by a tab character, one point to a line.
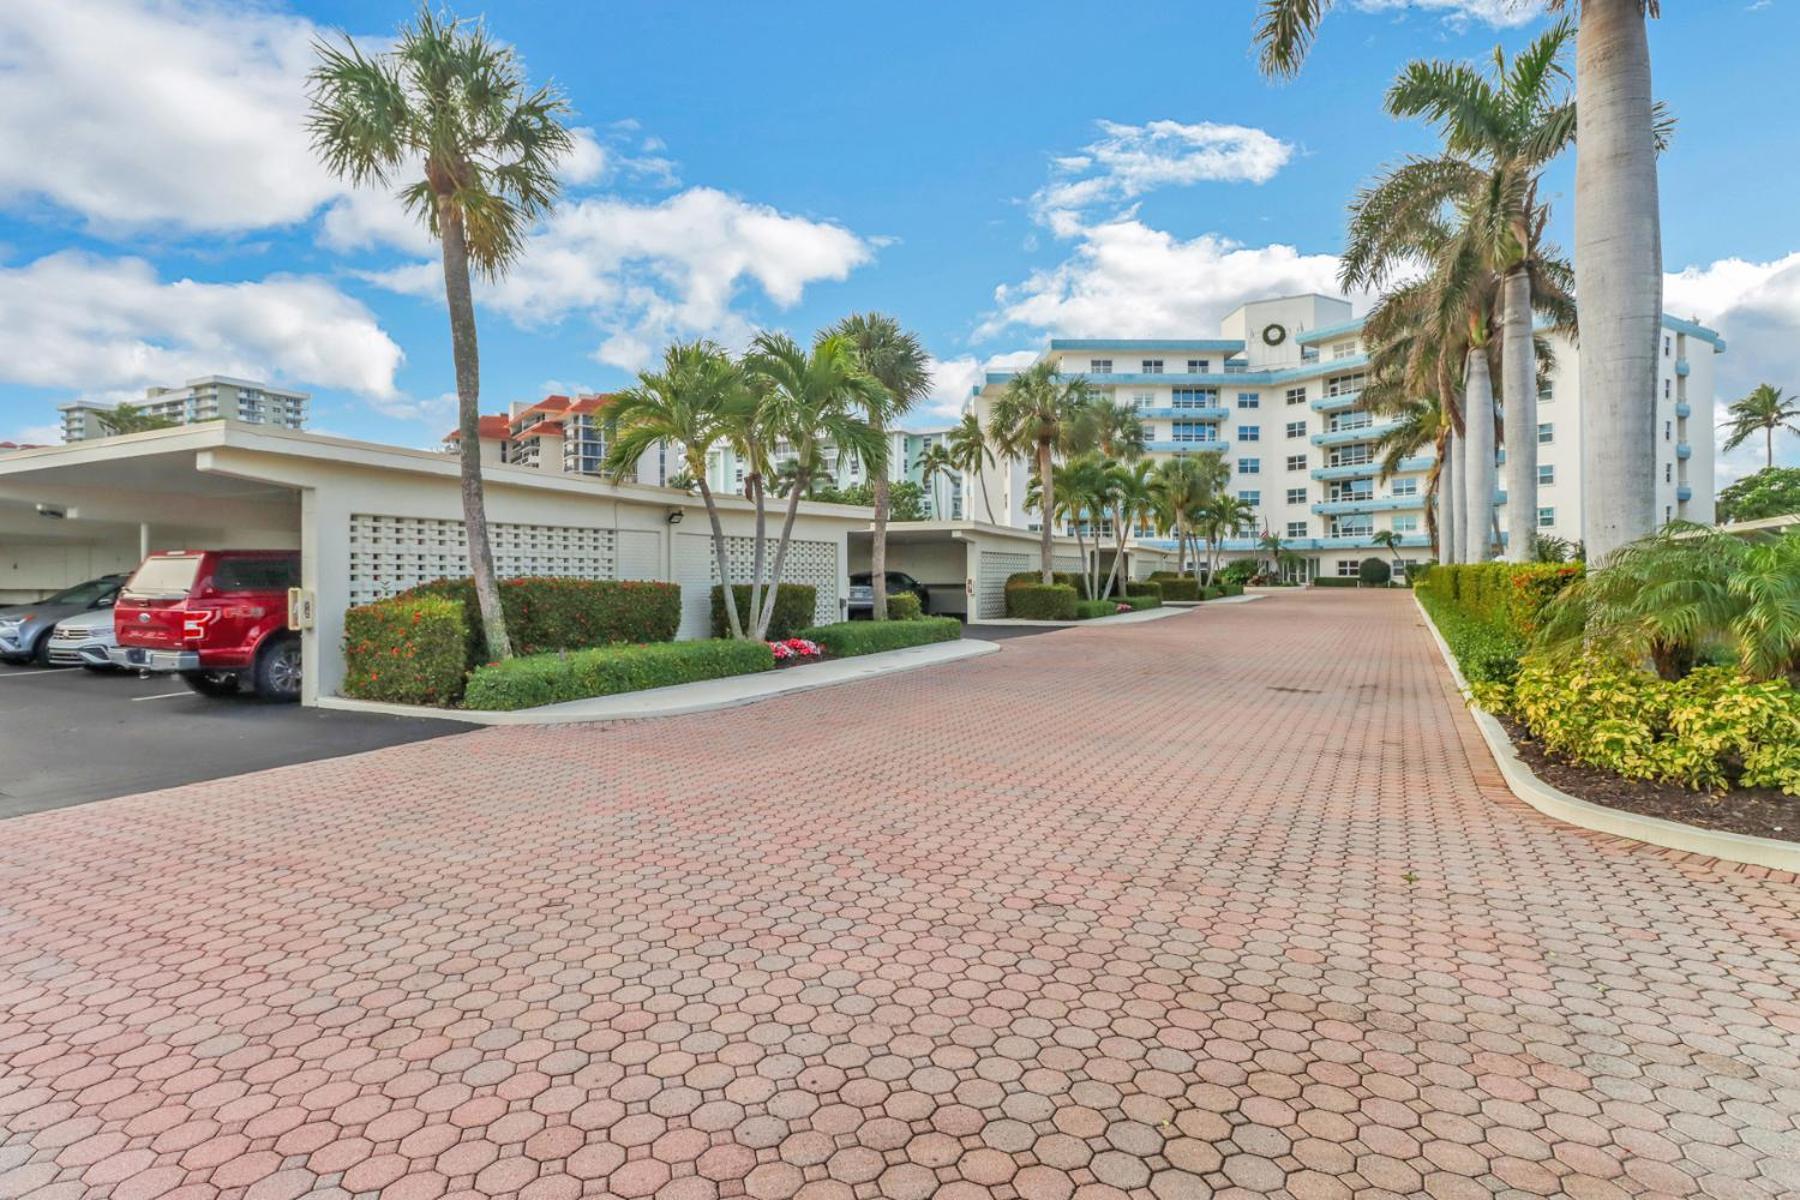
1683	409
1166	446
1411	541
1337	403
1370	504
1683	451
1348	471
1166	412
1684	493
1682	368
1361	433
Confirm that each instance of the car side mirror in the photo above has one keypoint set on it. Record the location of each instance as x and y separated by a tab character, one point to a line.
103	604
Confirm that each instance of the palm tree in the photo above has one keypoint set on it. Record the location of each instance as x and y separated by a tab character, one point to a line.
451	99
693	402
1216	517
129	418
812	400
1764	409
935	463
1389	540
1041	415
1618	247
969	454
894	358
1132	496
1500	133
1119	432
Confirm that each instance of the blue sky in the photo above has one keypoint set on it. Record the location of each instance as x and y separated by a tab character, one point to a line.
994	174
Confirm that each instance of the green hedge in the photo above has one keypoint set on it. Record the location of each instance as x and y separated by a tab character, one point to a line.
544	614
1179	589
1336	581
1374	571
1487	653
1508	595
794	605
1041	601
1146	587
405	650
1034	579
848	638
1087	610
1140	601
904	606
578	675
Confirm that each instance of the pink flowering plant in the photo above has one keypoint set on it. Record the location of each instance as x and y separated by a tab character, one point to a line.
793	649
1122	608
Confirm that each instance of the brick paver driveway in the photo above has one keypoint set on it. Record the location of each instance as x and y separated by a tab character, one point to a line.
1228	904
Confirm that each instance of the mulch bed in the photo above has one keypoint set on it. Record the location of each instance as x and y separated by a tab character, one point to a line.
1760	812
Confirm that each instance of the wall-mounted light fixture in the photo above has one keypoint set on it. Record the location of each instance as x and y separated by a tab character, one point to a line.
675	515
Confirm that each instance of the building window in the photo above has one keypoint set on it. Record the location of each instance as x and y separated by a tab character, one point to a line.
1100	366
1296	395
1667	514
1192	431
1546	474
1199	366
1296	462
1347	568
1296	429
1249	466
1666	385
1667	468
1153	366
1250	496
1406	487
1343	350
1546	517
1296	495
1296	529
1667	343
1249	400
1668	426
1406	523
1143	399
1249	433
1546	433
1193	397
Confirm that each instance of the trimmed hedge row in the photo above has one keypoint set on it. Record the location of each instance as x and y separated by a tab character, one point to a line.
1088	610
1509	595
581	674
848	638
1336	581
1177	589
1487	653
1139	601
1041	601
544	614
1072	579
794	605
408	650
904	606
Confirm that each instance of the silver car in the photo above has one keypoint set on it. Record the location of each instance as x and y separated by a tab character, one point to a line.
86	640
25	628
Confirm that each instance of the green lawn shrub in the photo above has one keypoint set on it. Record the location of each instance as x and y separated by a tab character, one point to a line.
609	670
847	638
1336	581
1140	601
546	613
794	606
1041	601
1072	579
1488	653
904	606
1510	595
405	650
1178	589
1374	572
1087	610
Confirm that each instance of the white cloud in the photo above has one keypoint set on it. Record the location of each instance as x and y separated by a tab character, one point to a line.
35	435
73	320
133	112
1503	14
646	273
1126	279
1128	161
952	381
1756	305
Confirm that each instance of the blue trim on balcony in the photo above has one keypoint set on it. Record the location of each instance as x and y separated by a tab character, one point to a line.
1374	504
1230	376
1695	330
1239	545
1683	450
1683	409
1345	437
1166	413
1172	447
1684	492
1325	333
1336	403
1682	368
1216	345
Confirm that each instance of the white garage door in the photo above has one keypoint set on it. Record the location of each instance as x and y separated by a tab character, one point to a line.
990	582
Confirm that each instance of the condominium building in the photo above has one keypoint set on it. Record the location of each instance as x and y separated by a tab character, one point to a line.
906	462
560	433
1275	396
209	398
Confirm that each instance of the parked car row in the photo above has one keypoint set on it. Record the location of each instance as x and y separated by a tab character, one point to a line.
217	619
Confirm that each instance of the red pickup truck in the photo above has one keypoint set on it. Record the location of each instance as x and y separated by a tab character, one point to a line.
217	618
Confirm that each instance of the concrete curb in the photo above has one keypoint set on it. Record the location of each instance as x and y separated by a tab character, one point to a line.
1553	802
684	698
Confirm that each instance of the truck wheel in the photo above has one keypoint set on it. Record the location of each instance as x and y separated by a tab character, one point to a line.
277	672
211	683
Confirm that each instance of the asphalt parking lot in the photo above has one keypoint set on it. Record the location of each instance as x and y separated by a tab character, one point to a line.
68	736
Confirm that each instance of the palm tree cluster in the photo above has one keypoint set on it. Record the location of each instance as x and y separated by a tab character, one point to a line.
1617	270
1092	474
1457	239
1764	411
785	410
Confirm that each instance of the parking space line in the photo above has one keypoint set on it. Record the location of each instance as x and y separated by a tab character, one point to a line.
29	675
162	696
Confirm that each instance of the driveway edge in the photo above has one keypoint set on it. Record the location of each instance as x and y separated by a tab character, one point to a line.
1554	802
706	696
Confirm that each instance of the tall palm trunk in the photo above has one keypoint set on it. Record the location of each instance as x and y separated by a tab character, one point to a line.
878	543
1450	500
759	555
781	549
1478	457
1046	482
1618	274
1112	576
468	405
1518	394
987	501
718	535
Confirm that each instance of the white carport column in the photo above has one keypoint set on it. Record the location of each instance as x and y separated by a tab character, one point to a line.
143	540
325	572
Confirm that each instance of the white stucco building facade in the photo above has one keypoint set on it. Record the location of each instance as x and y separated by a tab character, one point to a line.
1275	393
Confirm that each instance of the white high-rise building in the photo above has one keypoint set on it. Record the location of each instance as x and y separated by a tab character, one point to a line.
1275	396
209	398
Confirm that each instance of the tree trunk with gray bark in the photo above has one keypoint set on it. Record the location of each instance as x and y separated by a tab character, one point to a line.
1478	457
1449	511
1518	396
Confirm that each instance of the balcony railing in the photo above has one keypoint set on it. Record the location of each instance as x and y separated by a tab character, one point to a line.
1373	504
1419	462
1337	403
1172	446
1683	451
1682	368
1361	433
1684	492
1176	412
1683	409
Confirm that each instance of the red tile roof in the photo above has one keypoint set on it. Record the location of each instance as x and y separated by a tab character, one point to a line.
593	403
542	427
493	427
